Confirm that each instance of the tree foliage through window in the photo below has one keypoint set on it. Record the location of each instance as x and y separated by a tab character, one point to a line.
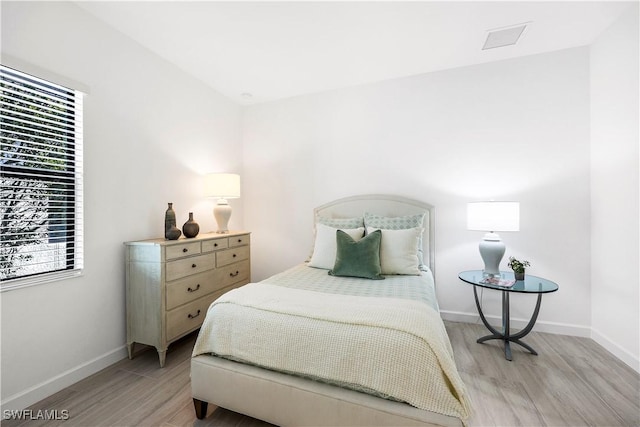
41	176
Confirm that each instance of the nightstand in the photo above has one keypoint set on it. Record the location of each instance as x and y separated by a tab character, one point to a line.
530	285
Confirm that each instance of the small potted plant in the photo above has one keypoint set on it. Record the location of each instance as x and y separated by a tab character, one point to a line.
518	267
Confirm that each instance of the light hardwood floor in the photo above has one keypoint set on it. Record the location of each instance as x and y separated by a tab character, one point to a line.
573	382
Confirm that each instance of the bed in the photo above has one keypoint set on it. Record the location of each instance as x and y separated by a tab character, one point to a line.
351	337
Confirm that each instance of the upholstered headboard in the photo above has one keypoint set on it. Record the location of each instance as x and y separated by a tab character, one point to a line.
385	205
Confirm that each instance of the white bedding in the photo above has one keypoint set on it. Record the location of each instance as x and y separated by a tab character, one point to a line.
418	288
392	345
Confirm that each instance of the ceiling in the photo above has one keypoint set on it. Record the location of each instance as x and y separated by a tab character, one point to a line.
262	51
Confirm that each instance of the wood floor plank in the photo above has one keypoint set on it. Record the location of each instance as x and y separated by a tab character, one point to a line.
112	406
157	402
613	390
551	382
572	382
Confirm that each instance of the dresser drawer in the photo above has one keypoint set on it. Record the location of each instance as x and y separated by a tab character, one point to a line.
232	255
235	273
187	266
188	317
191	288
182	250
215	244
238	241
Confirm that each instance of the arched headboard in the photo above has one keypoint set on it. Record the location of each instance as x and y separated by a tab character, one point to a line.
385	205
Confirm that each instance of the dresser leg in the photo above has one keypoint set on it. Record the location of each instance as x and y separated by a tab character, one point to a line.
130	346
162	354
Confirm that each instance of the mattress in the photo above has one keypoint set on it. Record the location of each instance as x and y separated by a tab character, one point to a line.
382	337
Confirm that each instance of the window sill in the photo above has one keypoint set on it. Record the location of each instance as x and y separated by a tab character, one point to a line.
40	279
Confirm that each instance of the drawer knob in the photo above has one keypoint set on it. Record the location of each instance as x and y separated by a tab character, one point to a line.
234	274
185	250
239	240
215	245
193	290
193	266
193	316
234	255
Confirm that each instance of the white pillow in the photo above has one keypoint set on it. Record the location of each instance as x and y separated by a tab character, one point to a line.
398	223
325	246
399	250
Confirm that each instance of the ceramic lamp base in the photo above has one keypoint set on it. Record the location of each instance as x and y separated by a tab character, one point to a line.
222	213
491	250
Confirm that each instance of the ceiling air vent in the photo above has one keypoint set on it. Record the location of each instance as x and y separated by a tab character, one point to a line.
505	36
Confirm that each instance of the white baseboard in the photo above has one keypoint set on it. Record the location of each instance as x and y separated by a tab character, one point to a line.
629	359
540	326
36	393
552	328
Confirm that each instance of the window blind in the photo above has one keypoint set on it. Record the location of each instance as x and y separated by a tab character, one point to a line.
41	194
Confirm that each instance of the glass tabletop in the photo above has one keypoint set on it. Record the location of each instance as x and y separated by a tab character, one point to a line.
507	282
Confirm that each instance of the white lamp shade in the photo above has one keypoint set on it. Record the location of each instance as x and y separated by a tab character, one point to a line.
222	185
493	216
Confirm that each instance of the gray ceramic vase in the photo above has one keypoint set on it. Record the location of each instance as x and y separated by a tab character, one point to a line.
190	228
169	223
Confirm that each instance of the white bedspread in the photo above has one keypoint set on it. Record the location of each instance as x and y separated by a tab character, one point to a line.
394	347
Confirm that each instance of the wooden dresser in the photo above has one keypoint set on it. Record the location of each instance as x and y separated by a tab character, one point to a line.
171	283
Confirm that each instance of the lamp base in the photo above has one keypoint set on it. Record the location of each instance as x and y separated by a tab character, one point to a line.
491	250
222	213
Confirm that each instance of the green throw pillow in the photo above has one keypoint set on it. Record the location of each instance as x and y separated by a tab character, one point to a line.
358	259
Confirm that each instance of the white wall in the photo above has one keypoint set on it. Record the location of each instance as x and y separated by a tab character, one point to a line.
150	132
509	130
615	189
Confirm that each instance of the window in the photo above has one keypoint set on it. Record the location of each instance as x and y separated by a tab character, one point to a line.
40	180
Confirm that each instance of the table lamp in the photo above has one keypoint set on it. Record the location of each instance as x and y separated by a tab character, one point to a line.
222	186
492	217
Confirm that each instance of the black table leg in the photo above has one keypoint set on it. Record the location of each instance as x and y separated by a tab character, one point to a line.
505	335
